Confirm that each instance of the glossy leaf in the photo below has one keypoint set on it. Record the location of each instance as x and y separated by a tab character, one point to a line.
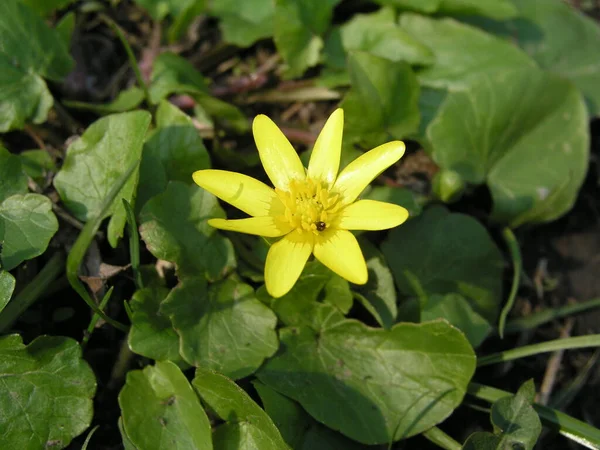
461	51
496	9
444	253
459	312
530	147
151	334
95	162
27	224
174	226
299	26
246	425
12	177
161	410
243	23
221	327
382	104
560	39
171	153
375	386
47	391
300	430
516	423
7	286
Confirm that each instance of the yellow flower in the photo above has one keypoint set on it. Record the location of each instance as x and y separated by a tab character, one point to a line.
311	209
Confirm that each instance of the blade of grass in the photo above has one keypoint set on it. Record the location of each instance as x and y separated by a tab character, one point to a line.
134	245
592	340
132	60
566	395
574	429
515	254
441	439
92	326
89	437
535	320
83	242
32	292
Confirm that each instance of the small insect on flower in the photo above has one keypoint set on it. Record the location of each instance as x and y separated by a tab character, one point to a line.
313	209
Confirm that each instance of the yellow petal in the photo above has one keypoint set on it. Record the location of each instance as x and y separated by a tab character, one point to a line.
261	226
339	250
278	157
357	175
372	215
285	261
244	192
325	158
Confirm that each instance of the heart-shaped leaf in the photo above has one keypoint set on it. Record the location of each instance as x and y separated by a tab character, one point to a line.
174	227
524	133
221	327
246	424
47	391
161	410
375	386
461	51
95	162
243	23
7	286
443	253
27	224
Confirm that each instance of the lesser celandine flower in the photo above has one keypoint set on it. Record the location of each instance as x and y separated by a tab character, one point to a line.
310	209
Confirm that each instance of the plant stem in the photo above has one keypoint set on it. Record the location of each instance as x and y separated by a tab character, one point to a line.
32	292
515	254
95	317
592	340
134	245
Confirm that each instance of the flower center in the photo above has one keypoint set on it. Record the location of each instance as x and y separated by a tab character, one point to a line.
309	205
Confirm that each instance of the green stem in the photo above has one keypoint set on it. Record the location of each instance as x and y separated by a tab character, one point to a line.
535	320
95	317
592	340
515	254
134	245
441	439
574	429
32	292
83	242
132	59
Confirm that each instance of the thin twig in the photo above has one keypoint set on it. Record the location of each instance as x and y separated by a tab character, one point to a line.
554	365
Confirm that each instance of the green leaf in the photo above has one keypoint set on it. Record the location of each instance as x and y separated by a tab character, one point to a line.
37	164
300	431
127	100
161	410
174	226
375	386
379	34
246	425
379	294
24	97
426	6
27	224
45	7
244	23
561	39
183	12
47	391
12	178
444	253
95	162
516	424
173	74
173	152
382	104
459	312
66	27
151	334
496	9
221	327
7	286
30	44
524	133
127	444
461	51
299	26
398	196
